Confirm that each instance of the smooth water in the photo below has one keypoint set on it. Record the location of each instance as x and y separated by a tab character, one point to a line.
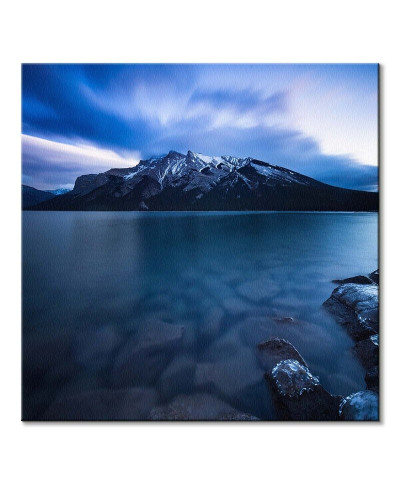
91	280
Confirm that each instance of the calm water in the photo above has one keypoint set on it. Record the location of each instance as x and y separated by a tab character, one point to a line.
92	281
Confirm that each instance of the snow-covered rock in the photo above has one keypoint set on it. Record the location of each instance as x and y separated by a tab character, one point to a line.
299	394
356	307
293	378
360	406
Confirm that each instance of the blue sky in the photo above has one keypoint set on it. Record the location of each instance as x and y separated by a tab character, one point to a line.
317	119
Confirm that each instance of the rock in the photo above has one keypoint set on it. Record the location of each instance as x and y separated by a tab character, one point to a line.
292	378
253	329
211	326
238	416
231	377
356	307
94	348
145	355
361	280
284	319
257	290
300	396
360	406
178	377
272	351
226	345
367	351
375	276
193	407
372	379
41	354
235	305
104	405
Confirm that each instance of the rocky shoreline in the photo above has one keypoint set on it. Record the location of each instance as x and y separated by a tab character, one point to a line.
298	393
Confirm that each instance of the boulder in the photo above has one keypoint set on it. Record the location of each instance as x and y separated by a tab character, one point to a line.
144	356
272	351
193	407
375	276
367	351
299	395
104	405
372	379
361	280
360	406
356	307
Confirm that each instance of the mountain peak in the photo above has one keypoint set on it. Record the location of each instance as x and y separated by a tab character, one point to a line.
201	182
173	153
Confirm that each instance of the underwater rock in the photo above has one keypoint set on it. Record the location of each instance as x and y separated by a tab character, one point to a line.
360	406
41	354
144	356
257	290
178	377
94	348
299	394
211	326
231	376
284	319
238	416
272	351
193	407
104	405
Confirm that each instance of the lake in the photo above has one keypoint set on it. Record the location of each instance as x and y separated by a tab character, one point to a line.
97	283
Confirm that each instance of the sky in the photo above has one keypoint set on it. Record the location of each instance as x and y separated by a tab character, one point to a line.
317	119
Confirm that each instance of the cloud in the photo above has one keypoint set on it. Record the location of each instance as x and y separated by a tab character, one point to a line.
52	164
319	120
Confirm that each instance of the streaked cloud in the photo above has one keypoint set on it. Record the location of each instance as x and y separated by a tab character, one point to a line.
320	120
50	163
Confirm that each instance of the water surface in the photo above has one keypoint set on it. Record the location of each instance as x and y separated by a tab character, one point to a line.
91	280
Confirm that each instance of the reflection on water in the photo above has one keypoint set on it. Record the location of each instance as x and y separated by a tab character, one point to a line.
98	286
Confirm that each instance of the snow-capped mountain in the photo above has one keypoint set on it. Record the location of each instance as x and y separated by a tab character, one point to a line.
199	182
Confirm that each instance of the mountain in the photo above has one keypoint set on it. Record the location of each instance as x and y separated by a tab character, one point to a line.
32	196
58	191
199	182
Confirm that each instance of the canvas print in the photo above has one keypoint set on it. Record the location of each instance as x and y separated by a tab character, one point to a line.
200	242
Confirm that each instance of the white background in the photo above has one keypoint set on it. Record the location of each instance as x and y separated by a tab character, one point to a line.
206	31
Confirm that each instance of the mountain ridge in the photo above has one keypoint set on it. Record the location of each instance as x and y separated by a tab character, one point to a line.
194	182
